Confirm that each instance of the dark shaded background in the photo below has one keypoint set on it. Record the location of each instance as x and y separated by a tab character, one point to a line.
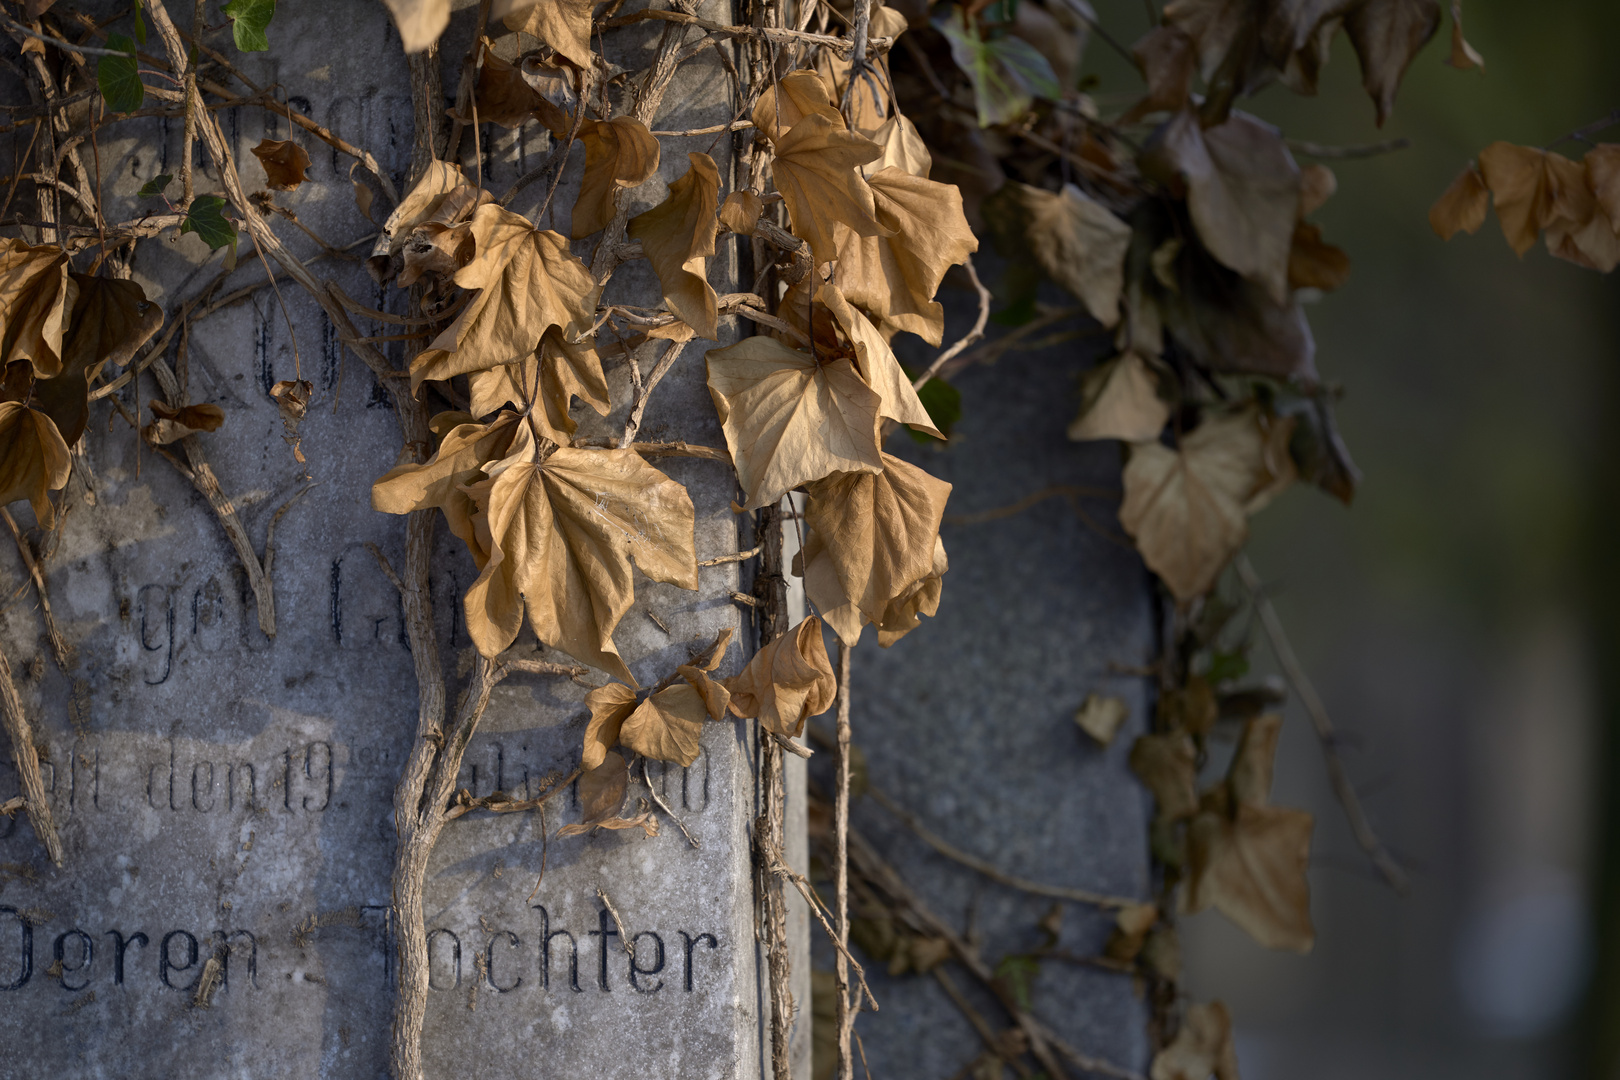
1458	618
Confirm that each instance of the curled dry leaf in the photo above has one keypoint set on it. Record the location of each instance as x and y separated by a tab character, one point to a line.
563	532
1100	717
878	366
877	532
34	461
1463	55
1249	776
1120	400
1231	324
1316	186
565	25
528	282
1167	765
443	480
796	95
619	153
610	706
1313	263
740	212
1243	191
419	205
678	238
903	149
817	171
1131	926
667	725
894	273
36	296
1387	34
1167	57
1603	177
292	398
420	22
1078	242
1534	189
921	598
1463	206
716	698
505	96
1202	1047
787	681
601	794
869	103
284	163
172	425
559	372
110	320
789	418
1188	509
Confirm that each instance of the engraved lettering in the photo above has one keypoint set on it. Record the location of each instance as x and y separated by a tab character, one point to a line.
87	955
546	934
455	953
198	789
120	944
167	965
25	969
636	970
232	785
489	961
691	942
157	628
605	930
223	952
310	758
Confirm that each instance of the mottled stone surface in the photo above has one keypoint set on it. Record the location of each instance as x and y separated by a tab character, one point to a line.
968	722
218	790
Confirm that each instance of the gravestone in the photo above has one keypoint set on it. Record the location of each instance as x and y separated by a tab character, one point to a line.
222	794
968	722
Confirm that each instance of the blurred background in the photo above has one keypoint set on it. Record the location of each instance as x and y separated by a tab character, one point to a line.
1457	620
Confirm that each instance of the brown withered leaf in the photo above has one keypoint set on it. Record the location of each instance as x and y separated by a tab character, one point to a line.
716	698
816	169
111	319
565	25
789	419
667	725
610	705
1243	44
1534	189
903	149
1319	451
1131	926
1243	191
442	481
36	296
1463	55
172	425
1387	34
1592	244
419	204
17	381
877	364
601	794
284	163
1120	400
1313	263
1603	177
1248	778
1188	509
1167	765
528	282
677	236
878	531
503	95
1316	186
563	532
1167	57
562	372
34	461
894	276
787	681
1202	1047
1100	717
420	22
1080	244
922	598
1463	206
869	104
619	153
1250	866
1229	323
443	242
796	95
1191	707
740	212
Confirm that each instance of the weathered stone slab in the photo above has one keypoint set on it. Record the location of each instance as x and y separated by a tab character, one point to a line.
224	795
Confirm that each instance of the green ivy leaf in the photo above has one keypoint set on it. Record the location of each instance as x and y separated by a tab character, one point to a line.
1226	666
248	21
1017	972
1007	73
119	77
155	186
942	402
206	219
140	24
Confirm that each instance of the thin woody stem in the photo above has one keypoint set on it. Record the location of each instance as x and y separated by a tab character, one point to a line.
845	1017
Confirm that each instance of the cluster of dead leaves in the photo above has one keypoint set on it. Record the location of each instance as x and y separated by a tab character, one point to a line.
1573	205
58	330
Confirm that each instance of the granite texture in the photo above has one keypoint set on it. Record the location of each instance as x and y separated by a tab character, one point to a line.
223	794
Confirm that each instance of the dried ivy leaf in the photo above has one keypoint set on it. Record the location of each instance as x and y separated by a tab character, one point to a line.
1251	867
896	275
601	794
1131	926
796	95
740	212
1313	263
1533	189
1120	400
1167	57
1249	776
442	481
816	170
1463	206
565	25
1202	1047
1387	34
667	725
712	692
1188	509
869	104
1243	191
678	238
878	531
1463	55
619	153
903	149
1100	717
171	424
1231	324
36	296
1078	242
790	419
528	282
562	372
1167	765
420	22
110	320
921	598
1316	186
878	366
1603	177
610	706
787	681
1593	244
284	163
34	461
418	205
503	95
562	534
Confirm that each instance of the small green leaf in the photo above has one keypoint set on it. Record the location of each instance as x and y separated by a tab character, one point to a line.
155	186
1226	666
208	222
248	21
119	77
1007	73
140	24
1017	972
